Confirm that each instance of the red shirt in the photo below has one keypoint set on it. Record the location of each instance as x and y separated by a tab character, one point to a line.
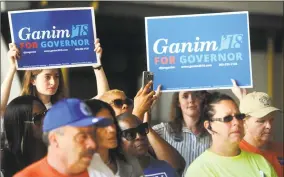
270	156
42	169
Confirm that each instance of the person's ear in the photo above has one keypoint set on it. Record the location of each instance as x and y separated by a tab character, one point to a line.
207	126
33	81
245	122
53	139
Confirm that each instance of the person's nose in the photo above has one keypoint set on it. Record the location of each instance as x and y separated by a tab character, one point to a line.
268	124
91	143
235	121
139	136
111	128
124	106
52	81
190	99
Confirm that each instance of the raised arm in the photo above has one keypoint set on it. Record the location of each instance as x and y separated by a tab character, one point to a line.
6	85
163	150
237	91
102	83
143	101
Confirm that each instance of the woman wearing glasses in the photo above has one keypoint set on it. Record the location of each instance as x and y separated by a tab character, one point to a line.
23	126
224	158
135	145
142	103
121	103
118	101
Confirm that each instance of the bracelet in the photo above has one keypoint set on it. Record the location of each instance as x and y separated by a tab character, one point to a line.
98	67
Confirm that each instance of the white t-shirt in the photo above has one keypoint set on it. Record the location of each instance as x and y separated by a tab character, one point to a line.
98	168
48	105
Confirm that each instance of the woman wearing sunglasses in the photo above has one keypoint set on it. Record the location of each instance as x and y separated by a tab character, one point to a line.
118	101
142	103
23	126
224	158
135	145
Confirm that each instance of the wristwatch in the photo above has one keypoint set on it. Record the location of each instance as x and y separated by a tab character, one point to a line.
98	67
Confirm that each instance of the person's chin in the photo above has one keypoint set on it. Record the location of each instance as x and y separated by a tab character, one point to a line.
142	151
265	138
236	137
49	93
192	112
87	160
112	144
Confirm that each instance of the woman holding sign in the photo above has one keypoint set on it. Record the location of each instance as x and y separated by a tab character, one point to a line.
185	130
47	84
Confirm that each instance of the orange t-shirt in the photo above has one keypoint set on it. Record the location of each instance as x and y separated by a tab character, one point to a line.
270	156
42	169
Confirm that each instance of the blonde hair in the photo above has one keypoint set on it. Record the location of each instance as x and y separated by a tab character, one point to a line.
30	89
107	94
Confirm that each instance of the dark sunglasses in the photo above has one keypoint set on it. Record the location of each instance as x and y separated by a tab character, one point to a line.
131	133
37	118
229	118
119	102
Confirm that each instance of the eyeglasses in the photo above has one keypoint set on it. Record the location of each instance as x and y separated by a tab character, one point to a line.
119	102
37	118
229	118
131	133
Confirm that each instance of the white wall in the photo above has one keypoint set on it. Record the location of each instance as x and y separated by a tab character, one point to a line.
259	67
3	6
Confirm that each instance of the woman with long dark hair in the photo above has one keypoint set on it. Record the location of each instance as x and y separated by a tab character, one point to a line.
113	161
23	128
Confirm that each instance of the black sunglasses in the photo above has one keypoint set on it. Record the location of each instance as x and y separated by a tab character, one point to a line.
131	133
229	118
37	118
119	102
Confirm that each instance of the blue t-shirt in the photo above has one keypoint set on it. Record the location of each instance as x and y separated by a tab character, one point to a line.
159	168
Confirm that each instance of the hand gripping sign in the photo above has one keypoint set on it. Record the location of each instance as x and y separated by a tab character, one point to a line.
54	38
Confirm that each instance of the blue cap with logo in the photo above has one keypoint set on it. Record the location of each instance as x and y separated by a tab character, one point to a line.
72	112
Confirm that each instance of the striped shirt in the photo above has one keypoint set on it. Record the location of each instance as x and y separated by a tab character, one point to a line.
190	146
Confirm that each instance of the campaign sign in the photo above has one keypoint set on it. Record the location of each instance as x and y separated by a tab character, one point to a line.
54	38
199	52
163	174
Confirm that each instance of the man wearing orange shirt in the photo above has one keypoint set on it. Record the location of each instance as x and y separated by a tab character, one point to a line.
258	127
69	133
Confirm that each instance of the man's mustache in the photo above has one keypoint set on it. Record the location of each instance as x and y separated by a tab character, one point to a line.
89	152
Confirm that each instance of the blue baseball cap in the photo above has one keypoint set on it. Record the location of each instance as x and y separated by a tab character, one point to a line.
72	112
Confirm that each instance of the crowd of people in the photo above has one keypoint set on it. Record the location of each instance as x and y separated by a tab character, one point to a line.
44	133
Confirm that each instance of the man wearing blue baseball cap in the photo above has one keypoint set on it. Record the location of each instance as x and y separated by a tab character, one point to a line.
69	134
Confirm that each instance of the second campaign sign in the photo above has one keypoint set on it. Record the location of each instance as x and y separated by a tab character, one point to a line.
199	52
53	38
